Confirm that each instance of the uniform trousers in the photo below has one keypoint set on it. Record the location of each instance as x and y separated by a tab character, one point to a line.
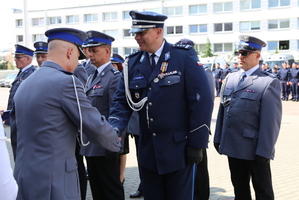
241	172
202	181
294	87
217	86
284	90
81	172
175	185
104	178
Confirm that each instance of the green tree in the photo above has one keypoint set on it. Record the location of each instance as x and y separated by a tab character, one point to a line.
3	64
207	51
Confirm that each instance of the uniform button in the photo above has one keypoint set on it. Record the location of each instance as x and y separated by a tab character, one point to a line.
150	103
151	119
149	88
168	81
136	86
228	126
186	137
231	106
154	134
234	96
230	116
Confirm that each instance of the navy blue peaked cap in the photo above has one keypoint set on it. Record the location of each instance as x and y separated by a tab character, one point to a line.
116	58
41	47
23	50
249	43
186	41
71	35
142	21
96	38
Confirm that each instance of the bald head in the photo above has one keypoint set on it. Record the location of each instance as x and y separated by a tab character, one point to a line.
63	53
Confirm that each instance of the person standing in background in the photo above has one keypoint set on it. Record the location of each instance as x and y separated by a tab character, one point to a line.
41	52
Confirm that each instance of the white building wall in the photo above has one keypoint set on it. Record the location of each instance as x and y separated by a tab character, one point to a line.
236	16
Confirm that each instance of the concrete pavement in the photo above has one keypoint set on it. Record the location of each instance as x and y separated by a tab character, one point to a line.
285	170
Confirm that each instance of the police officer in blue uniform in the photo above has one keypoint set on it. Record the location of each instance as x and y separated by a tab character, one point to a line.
294	81
267	68
41	52
23	59
284	77
248	122
165	84
103	166
88	66
217	77
225	71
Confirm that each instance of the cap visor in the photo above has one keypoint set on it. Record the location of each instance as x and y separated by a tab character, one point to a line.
82	55
137	30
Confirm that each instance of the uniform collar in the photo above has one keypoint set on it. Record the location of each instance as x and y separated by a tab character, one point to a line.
158	52
25	68
250	71
100	69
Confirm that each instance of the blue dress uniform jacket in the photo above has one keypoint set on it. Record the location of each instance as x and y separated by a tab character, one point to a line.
177	107
47	138
16	83
101	92
250	124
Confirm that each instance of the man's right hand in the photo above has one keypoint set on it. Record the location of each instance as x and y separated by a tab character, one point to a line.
216	145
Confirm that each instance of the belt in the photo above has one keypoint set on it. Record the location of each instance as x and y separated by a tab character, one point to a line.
294	78
283	79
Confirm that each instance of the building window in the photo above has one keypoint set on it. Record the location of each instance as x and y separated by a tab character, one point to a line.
72	19
127	34
174	30
55	20
38	37
279	24
250	4
157	10
198	9
115	50
223	7
113	33
38	21
278	3
250	26
221	27
110	16
129	50
19	23
279	45
200	28
126	15
20	38
91	18
172	11
223	47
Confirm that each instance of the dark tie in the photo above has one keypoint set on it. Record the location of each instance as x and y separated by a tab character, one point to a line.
153	62
95	75
242	78
19	74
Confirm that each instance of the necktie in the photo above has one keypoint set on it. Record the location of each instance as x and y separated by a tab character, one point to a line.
242	78
153	62
19	74
95	75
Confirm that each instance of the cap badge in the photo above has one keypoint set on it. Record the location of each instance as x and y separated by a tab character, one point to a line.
246	38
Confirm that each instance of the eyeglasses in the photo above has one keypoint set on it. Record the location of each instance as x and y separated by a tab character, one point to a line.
244	53
19	57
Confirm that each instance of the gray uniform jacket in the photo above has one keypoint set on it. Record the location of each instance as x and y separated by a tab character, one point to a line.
46	118
89	67
100	92
250	124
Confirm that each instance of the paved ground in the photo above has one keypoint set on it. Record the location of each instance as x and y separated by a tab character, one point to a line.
285	170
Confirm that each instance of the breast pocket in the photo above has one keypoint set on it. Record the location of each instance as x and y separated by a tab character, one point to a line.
71	179
137	88
249	101
170	80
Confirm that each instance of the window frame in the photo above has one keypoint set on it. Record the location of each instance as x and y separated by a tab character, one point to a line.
223	7
198	28
174	30
198	6
223	27
38	21
74	21
111	17
93	17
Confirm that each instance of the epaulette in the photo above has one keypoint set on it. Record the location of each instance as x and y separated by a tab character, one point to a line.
114	71
133	54
268	74
182	46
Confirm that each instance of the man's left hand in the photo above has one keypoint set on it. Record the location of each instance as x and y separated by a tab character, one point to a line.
193	155
262	160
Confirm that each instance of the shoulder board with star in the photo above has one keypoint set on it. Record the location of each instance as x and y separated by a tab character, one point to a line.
182	46
114	71
268	74
133	54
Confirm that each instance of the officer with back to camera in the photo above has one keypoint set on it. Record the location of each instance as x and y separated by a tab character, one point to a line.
217	77
248	122
48	120
168	88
